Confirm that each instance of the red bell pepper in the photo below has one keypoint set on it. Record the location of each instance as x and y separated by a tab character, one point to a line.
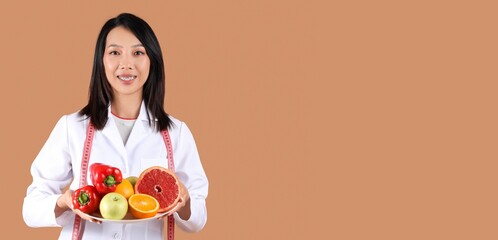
86	199
105	178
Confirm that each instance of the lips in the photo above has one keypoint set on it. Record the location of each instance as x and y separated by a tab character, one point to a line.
126	77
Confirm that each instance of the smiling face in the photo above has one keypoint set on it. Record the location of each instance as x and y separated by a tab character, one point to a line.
126	63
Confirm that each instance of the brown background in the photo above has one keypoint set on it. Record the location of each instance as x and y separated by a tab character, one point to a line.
314	120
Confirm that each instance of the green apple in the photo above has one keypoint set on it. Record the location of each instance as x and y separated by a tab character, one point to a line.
132	180
113	206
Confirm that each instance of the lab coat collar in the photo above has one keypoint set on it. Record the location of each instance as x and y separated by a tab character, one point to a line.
142	115
140	130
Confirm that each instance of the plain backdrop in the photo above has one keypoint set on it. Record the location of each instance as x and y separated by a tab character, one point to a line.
313	119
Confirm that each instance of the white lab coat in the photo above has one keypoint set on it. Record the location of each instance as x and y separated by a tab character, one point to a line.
59	162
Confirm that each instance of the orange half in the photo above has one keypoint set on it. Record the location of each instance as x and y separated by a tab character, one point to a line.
143	205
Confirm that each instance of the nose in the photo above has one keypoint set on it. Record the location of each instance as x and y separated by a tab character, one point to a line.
125	66
126	63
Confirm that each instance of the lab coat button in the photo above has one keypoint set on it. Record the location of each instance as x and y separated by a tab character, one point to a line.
116	236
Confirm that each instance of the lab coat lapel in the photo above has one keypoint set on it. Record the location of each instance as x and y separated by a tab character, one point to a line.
140	129
111	132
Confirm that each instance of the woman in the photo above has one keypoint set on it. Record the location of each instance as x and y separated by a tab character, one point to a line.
126	109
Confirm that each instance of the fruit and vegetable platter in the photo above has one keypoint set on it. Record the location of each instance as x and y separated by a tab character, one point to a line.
111	197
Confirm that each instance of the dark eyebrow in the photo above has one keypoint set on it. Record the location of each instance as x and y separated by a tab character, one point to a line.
119	46
115	45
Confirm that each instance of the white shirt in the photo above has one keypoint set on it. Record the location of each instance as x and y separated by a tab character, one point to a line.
58	163
124	127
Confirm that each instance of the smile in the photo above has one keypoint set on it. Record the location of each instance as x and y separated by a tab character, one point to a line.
126	77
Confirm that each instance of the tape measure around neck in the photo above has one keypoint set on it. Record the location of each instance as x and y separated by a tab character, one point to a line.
79	225
171	166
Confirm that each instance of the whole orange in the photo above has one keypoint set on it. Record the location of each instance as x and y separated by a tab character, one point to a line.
125	188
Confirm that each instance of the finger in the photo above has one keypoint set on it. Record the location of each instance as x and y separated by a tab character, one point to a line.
163	216
173	210
95	221
184	194
86	217
178	206
69	199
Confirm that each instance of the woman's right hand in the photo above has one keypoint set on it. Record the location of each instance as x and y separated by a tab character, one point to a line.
65	202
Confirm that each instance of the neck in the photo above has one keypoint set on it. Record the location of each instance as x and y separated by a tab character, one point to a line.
126	107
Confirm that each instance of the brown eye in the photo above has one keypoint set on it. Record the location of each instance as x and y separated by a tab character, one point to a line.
113	53
139	53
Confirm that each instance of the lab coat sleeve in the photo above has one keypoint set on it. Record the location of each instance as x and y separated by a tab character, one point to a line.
51	172
190	172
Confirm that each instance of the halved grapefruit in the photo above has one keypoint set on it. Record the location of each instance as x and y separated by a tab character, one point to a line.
160	183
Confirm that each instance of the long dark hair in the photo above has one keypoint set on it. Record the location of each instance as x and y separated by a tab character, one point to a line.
100	93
